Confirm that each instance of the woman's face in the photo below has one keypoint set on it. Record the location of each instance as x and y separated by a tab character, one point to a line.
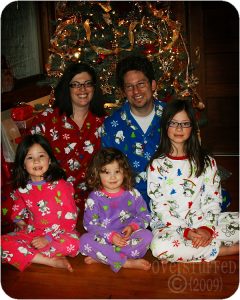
82	89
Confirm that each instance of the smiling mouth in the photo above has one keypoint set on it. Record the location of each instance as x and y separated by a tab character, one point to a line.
82	96
37	168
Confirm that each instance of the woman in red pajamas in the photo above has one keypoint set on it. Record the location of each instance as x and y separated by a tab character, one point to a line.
72	125
43	209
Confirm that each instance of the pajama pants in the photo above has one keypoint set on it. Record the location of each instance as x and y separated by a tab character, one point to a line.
16	248
169	245
101	250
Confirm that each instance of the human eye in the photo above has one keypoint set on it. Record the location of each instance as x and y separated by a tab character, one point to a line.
172	124
128	87
186	124
89	84
29	157
104	171
141	84
74	85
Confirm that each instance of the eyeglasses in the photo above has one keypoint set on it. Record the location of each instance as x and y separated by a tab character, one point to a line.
77	85
175	124
140	85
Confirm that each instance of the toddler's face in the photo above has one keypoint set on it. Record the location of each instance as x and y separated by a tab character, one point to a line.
112	177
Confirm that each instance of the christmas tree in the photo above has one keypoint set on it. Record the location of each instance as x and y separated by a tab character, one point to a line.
101	33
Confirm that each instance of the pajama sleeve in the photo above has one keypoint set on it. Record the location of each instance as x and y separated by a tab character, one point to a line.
210	199
19	209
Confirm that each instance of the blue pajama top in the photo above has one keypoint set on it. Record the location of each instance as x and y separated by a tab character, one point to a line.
121	131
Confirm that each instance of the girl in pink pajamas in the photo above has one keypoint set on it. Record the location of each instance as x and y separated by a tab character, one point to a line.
116	216
44	210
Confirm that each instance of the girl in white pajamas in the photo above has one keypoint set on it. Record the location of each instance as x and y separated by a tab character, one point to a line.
184	187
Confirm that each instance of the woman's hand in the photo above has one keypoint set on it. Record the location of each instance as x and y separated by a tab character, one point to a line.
39	242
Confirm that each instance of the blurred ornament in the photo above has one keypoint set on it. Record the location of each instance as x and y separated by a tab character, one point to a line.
142	37
185	93
105	6
100	58
158	13
107	19
149	49
106	89
51	98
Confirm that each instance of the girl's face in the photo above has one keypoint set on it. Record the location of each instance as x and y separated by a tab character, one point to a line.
178	133
112	177
82	89
36	162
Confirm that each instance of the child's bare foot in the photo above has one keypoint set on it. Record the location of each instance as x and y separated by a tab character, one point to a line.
229	250
140	263
56	262
89	260
61	262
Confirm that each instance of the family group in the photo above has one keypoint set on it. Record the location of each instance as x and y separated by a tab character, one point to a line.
140	174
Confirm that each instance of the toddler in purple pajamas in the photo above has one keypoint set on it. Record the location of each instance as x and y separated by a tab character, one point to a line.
115	216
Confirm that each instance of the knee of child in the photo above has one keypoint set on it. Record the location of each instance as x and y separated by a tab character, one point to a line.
154	248
149	236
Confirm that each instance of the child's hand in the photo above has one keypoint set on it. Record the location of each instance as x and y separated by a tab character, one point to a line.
39	242
21	225
119	240
193	235
205	239
127	231
199	237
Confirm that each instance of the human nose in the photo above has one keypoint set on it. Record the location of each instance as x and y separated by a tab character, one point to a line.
112	175
135	88
36	160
